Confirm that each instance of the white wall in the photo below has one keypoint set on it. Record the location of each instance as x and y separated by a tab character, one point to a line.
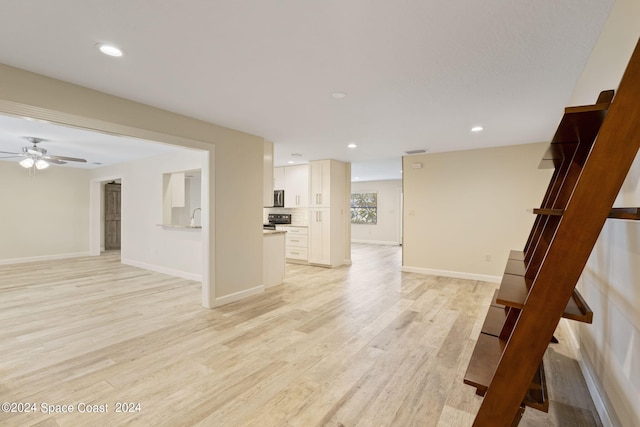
144	243
609	349
465	210
45	216
387	230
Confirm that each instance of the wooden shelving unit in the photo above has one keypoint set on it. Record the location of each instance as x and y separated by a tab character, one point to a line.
591	154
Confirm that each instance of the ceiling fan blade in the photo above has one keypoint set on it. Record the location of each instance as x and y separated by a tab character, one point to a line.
7	152
9	157
56	161
64	158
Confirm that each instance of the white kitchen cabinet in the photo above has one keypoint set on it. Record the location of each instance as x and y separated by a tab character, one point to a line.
278	179
320	183
320	236
296	186
328	213
296	244
178	186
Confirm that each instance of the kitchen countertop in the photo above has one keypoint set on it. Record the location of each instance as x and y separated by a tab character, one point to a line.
266	232
180	227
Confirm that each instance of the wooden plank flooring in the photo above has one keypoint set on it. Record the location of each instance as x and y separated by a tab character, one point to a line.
364	345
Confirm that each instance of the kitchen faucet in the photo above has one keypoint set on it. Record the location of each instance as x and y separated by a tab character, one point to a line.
193	217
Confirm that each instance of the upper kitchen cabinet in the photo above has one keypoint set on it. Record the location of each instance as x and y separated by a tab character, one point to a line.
296	189
327	178
278	179
294	180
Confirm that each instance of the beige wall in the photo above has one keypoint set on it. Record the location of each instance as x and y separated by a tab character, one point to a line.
609	349
465	210
235	210
387	230
45	216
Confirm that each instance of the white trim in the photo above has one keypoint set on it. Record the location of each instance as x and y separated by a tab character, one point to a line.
159	269
455	274
42	258
596	394
587	373
73	120
376	242
236	296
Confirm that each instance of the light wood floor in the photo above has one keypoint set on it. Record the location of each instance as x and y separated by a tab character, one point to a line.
363	345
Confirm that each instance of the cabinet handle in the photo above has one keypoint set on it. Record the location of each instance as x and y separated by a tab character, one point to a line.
295	253
320	197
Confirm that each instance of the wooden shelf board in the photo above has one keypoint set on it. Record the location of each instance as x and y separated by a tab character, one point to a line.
582	109
552	212
556	153
516	255
494	321
515	266
482	366
515	288
615	213
625	213
585	119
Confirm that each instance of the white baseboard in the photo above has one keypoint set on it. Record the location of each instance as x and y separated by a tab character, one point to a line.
587	372
594	390
455	274
164	270
376	242
42	258
236	296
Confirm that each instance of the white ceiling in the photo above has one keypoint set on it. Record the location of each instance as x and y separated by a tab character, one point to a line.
417	73
98	149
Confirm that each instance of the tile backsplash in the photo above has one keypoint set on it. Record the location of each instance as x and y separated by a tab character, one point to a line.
299	216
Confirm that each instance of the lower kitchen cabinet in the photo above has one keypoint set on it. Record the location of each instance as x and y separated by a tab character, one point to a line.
296	242
320	236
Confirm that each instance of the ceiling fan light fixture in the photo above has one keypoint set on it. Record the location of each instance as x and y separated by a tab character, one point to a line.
41	164
27	163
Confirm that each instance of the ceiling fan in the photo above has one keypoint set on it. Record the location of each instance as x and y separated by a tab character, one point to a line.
37	157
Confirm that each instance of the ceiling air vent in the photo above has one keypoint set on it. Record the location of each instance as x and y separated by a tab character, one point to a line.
421	151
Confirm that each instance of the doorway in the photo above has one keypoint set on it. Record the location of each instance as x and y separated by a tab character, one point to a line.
112	208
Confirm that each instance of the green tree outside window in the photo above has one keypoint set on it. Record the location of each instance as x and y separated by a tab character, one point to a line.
364	208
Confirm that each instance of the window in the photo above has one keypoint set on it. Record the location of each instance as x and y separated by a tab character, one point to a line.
364	208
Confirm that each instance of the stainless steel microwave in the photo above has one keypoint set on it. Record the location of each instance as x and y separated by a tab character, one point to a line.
278	199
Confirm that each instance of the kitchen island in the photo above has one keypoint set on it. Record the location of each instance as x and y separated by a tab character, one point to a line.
274	257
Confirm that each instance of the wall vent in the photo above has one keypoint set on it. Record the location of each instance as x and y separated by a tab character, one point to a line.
421	151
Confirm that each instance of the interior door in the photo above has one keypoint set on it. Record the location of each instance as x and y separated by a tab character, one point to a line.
112	202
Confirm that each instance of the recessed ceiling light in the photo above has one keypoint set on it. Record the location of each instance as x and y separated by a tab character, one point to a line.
352	145
476	129
338	95
356	177
110	50
291	162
